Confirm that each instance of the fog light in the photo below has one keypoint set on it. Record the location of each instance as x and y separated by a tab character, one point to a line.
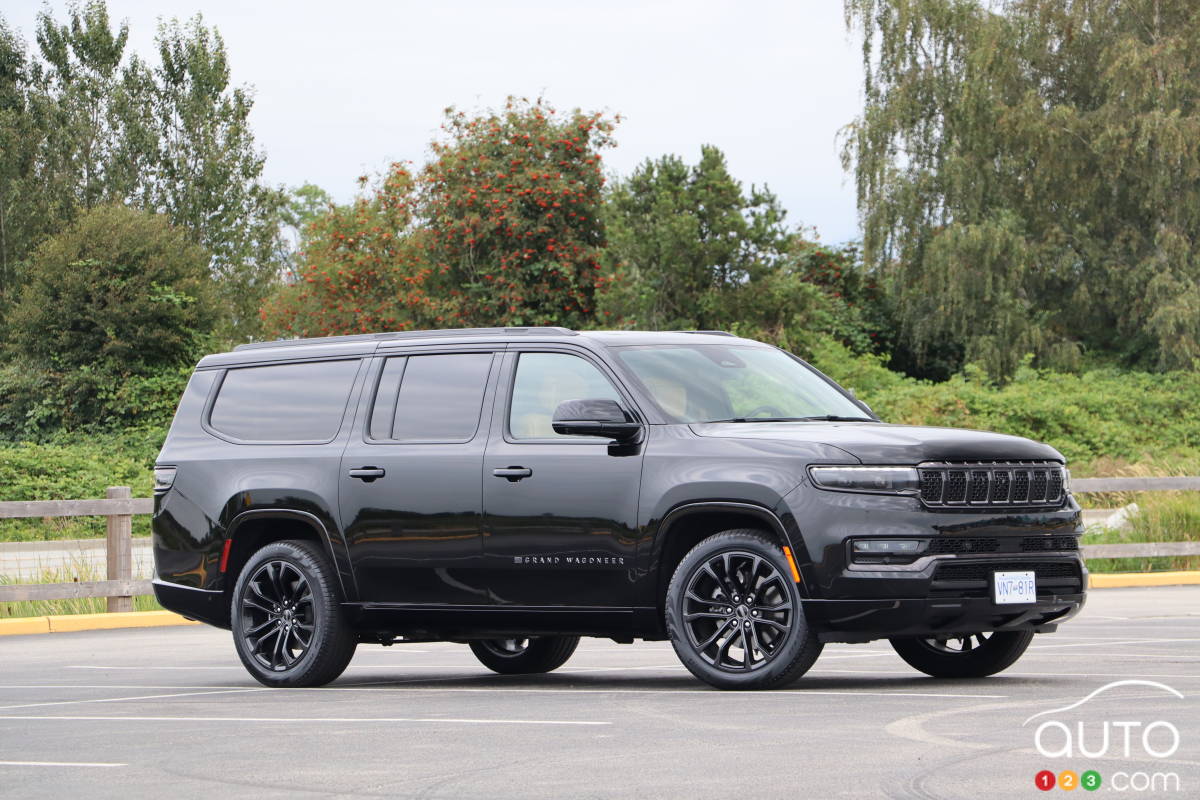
888	545
886	551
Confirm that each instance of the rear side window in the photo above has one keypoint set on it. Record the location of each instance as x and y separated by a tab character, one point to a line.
284	402
435	398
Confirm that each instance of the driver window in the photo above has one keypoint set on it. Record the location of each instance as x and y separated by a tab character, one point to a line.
543	381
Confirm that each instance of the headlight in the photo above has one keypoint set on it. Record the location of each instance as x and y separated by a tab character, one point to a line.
884	480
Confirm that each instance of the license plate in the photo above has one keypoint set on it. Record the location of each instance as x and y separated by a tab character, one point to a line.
1014	587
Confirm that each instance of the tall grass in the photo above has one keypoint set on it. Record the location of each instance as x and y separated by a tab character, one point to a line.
1162	517
78	572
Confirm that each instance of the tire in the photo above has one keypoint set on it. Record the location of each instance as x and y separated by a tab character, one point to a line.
973	655
524	656
702	614
288	590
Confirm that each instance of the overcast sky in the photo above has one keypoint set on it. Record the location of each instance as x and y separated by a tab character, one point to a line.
344	88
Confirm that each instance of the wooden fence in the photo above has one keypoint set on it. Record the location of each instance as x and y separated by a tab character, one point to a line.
119	506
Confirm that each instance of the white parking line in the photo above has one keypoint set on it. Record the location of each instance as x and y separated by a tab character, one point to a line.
308	720
1109	643
59	764
1008	673
126	699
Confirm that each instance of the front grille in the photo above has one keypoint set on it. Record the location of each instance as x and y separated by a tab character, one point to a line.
996	484
974	579
963	544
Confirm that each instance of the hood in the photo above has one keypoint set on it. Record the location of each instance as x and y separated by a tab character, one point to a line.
881	443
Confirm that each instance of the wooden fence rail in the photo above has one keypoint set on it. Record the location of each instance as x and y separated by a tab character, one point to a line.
120	506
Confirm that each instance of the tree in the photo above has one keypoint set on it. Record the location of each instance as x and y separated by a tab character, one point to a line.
684	240
360	268
207	170
1028	176
88	124
510	206
501	227
113	313
119	290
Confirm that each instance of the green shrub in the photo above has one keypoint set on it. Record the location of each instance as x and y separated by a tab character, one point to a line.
1103	414
76	467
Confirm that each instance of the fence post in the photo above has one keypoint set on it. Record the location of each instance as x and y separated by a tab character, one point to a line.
120	548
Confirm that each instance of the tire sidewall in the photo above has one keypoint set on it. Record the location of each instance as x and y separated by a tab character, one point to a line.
798	638
997	654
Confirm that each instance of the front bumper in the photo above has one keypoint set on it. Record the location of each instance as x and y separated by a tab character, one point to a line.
865	620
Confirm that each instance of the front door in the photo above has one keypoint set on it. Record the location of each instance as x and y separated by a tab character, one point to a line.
560	512
411	493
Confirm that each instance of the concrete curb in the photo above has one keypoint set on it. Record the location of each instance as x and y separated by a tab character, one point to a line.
1117	580
90	622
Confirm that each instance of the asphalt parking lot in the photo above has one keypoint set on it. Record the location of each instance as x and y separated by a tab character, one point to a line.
135	713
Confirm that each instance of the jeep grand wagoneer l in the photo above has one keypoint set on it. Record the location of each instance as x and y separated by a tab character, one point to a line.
516	489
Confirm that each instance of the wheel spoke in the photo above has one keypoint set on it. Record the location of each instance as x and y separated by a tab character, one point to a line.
704	615
276	658
247	602
758	644
747	648
750	576
257	643
304	643
254	587
723	649
777	626
720	629
258	629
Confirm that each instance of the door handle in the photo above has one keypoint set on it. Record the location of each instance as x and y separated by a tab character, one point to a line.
367	474
513	474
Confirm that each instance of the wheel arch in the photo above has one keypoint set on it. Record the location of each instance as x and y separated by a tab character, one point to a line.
689	524
252	530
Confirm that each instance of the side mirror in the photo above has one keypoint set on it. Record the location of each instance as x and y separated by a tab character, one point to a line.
594	417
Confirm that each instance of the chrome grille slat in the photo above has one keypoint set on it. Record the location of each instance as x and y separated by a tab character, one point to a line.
993	484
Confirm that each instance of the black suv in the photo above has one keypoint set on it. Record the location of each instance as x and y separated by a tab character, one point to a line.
518	488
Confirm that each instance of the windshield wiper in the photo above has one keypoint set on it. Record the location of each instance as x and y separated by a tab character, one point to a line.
836	418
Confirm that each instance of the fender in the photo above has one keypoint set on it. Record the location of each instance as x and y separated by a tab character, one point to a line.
347	585
772	520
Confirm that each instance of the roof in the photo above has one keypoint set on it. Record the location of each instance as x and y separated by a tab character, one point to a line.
357	344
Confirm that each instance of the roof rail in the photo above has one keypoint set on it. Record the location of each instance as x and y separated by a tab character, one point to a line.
392	335
710	333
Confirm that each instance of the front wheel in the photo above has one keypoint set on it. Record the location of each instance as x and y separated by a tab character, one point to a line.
287	622
524	656
967	655
734	614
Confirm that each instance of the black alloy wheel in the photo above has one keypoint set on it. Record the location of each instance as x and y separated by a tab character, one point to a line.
734	614
524	656
963	655
287	623
279	617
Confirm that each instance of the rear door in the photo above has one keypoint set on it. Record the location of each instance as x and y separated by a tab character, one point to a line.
560	511
411	495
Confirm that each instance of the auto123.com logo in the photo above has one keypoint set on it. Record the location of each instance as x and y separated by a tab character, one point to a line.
1114	735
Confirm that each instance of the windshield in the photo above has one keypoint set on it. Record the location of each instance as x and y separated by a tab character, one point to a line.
712	383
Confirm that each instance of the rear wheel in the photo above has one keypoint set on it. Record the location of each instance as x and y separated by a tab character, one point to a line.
968	655
734	614
287	620
525	656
